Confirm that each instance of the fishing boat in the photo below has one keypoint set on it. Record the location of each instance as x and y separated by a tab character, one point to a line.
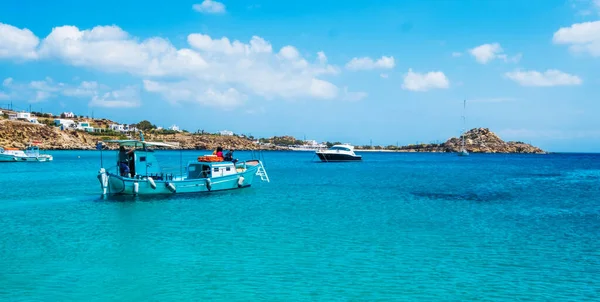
463	150
142	174
343	152
31	154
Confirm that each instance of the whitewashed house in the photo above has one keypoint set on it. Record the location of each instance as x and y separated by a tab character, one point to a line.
68	114
66	123
174	128
116	127
24	115
85	126
226	133
12	116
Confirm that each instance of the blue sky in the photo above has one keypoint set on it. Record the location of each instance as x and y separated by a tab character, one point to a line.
387	71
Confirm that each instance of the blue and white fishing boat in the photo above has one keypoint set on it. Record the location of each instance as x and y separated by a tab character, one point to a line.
31	154
141	174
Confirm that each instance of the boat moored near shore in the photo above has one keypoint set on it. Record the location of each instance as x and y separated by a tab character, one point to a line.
31	154
137	172
343	152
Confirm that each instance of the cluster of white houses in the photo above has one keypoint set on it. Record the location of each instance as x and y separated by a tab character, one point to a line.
66	123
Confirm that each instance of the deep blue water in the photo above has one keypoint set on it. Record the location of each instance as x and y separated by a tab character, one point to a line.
393	227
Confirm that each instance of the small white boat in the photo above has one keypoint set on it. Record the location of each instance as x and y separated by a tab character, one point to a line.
31	154
141	174
344	152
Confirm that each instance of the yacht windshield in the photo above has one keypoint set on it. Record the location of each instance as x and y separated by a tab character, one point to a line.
339	148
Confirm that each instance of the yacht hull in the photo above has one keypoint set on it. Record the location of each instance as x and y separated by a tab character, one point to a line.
327	157
15	158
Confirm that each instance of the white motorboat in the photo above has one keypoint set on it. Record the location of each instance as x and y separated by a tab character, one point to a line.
342	152
31	154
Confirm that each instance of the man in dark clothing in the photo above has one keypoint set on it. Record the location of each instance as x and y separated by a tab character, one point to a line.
123	160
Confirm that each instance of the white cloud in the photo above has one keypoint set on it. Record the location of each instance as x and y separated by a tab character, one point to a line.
487	52
354	96
384	75
322	57
176	92
425	81
367	63
251	69
209	7
581	37
7	82
17	43
456	54
124	98
100	95
85	89
550	77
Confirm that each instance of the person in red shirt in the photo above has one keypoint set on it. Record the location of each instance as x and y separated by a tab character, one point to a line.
220	152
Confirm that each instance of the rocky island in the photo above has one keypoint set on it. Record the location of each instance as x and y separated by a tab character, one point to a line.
477	140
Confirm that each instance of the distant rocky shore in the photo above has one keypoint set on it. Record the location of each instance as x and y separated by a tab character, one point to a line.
477	140
19	134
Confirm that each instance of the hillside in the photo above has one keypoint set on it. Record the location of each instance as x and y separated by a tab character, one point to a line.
18	134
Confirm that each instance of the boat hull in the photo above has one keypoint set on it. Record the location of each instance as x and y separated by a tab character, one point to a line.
15	158
327	157
117	185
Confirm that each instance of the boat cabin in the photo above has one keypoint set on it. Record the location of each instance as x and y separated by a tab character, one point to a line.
196	170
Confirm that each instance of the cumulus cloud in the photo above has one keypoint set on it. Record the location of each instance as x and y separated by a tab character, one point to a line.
581	38
123	98
209	7
98	94
425	81
487	52
550	77
17	43
366	63
225	69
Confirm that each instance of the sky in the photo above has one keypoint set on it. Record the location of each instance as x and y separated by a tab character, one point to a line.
386	72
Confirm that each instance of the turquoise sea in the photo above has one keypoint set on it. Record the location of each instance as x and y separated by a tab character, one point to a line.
395	227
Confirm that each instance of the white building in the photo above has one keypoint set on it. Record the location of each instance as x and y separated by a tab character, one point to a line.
122	128
12	116
68	114
24	115
226	133
174	128
116	127
66	123
85	126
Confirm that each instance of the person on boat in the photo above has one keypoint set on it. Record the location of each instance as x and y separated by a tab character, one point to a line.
124	160
219	152
229	156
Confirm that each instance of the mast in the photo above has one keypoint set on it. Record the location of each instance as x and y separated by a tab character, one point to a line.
464	123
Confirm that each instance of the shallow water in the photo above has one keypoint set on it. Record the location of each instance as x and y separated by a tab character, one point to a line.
393	227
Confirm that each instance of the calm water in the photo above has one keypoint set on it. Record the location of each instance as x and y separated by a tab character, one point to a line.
394	227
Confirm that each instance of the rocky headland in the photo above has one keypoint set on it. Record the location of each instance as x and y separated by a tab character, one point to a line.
477	140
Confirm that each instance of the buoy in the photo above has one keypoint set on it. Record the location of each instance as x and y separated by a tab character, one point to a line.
152	183
240	182
208	184
171	187
136	188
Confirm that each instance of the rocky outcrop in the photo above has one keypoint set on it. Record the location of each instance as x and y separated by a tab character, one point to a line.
18	134
482	140
478	140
